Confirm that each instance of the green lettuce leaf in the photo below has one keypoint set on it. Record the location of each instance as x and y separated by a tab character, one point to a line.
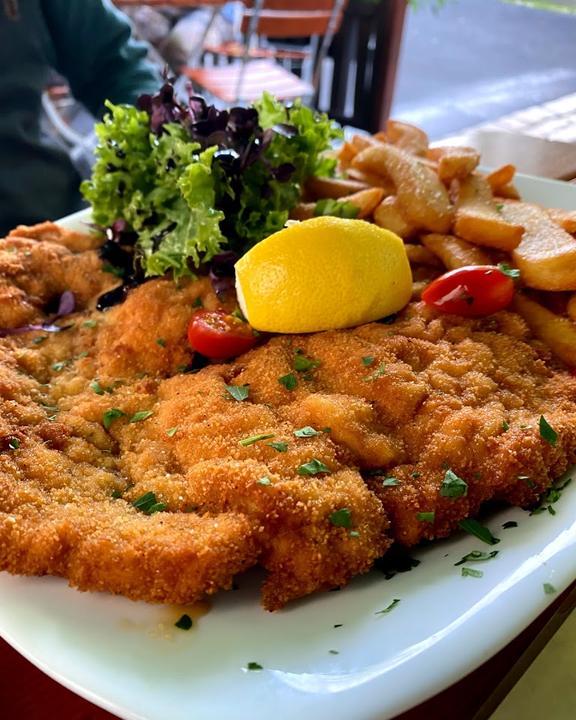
162	186
189	231
124	164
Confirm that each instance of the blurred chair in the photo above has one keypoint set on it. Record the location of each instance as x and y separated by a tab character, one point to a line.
69	126
255	62
365	54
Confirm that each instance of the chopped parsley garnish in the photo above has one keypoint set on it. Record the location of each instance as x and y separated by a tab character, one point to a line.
306	432
264	481
313	467
549	589
89	324
113	270
197	303
141	415
172	431
96	387
60	365
505	426
40	339
148	504
254	666
13	443
499	206
368	360
389	608
354	533
480	531
341	518
426	516
161	342
513	273
303	363
99	389
110	415
547	432
238	392
526	479
510	524
279	446
254	439
117	494
471	572
375	374
551	496
390	482
453	486
184	623
477	556
288	381
415	475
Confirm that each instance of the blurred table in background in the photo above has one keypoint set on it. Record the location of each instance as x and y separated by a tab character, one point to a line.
540	140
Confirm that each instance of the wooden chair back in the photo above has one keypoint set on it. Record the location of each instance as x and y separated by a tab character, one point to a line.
290	18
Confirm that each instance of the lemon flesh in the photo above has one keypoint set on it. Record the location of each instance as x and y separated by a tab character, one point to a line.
323	274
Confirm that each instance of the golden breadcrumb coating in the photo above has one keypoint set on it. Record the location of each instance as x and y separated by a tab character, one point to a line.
105	412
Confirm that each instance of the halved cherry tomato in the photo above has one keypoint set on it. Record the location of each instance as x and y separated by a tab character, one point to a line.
219	335
471	291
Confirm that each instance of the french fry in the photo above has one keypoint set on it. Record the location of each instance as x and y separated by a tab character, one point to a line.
366	201
381	135
546	257
361	142
501	177
422	197
320	187
508	192
346	154
479	221
419	255
571	308
372	179
455	252
454	163
303	211
565	218
407	137
559	333
388	215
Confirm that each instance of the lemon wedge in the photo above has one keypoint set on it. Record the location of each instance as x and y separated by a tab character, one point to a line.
323	274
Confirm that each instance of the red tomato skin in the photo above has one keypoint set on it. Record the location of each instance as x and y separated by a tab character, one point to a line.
218	335
470	291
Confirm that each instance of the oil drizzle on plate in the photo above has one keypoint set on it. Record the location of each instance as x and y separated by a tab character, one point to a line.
163	625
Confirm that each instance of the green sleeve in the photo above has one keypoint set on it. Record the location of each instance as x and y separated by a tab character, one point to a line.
95	52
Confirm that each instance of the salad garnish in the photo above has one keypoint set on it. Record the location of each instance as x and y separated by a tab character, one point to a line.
177	183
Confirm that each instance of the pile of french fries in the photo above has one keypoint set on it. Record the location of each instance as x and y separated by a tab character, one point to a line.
450	215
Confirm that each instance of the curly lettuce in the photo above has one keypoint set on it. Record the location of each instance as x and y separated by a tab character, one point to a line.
192	180
162	186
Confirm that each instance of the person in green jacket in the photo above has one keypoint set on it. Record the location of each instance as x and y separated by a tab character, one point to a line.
89	43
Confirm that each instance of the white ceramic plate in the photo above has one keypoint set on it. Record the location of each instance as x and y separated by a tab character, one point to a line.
130	659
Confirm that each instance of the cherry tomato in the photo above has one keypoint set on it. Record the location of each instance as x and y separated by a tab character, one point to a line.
218	335
471	291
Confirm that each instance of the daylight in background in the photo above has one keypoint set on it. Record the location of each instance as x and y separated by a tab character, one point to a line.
471	61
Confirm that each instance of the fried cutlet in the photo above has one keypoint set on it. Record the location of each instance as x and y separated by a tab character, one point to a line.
100	415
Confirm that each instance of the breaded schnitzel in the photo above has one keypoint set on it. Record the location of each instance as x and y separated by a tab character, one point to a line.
243	465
